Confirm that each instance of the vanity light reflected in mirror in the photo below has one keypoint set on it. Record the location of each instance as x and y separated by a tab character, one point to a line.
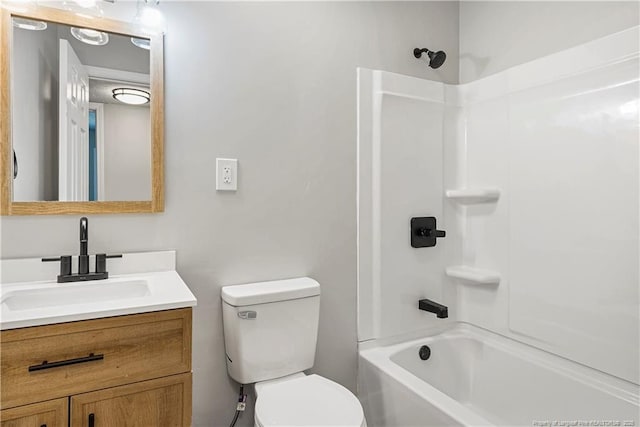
29	24
141	43
90	37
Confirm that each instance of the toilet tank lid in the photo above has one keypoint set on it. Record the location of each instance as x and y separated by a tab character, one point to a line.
273	291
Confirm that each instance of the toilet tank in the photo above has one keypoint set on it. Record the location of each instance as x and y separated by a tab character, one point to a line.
270	328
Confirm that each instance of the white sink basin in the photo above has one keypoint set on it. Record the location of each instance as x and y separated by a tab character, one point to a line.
75	293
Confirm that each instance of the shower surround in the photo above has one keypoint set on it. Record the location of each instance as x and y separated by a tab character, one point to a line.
533	173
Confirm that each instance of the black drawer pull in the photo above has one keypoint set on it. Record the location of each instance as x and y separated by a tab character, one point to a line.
48	365
92	420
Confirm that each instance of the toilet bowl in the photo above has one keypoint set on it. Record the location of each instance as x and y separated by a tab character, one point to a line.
301	400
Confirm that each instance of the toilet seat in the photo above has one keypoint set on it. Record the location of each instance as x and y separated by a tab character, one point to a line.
307	401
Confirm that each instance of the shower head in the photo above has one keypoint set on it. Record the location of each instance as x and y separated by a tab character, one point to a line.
436	59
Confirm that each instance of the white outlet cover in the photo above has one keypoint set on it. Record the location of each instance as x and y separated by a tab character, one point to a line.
226	174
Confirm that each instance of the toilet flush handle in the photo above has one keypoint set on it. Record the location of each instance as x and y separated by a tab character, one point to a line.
247	314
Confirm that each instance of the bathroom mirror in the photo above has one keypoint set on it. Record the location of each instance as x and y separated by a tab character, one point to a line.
81	114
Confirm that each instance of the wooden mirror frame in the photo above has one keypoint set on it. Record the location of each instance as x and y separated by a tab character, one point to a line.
58	16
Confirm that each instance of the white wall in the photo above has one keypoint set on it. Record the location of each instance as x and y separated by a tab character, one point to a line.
274	85
127	156
35	114
558	153
559	137
407	145
496	35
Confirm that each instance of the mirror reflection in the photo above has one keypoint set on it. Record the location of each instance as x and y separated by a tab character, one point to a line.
81	128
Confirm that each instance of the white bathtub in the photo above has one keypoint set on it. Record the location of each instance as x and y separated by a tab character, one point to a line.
475	377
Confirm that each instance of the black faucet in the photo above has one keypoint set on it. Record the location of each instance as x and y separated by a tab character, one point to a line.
441	311
83	260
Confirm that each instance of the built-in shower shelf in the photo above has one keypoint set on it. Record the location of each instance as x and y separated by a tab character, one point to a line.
474	275
474	195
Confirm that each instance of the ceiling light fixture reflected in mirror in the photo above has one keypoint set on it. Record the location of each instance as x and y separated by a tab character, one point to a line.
131	96
29	24
141	43
89	36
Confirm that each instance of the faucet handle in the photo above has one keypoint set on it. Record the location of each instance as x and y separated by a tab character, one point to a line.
430	232
101	262
439	233
65	264
424	232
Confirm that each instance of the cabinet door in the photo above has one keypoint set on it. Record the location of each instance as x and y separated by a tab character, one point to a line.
52	413
164	402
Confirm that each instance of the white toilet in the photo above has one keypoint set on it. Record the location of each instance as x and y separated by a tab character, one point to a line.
270	334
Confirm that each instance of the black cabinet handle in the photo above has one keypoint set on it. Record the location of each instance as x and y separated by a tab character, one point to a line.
92	420
43	425
48	365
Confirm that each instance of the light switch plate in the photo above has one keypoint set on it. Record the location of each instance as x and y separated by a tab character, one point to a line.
226	174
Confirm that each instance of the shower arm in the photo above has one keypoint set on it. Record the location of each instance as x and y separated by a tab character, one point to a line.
417	52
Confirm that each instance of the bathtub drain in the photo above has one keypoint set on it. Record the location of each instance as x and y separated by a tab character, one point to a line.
425	352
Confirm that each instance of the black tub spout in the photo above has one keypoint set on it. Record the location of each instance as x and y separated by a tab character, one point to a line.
441	311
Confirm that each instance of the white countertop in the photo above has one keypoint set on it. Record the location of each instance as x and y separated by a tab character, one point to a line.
41	302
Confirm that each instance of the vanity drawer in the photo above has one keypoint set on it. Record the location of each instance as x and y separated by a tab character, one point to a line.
92	354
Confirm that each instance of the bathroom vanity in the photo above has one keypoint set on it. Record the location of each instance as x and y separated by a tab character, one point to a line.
124	370
95	358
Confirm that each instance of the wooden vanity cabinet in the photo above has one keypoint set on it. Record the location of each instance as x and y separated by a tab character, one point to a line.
52	413
129	371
